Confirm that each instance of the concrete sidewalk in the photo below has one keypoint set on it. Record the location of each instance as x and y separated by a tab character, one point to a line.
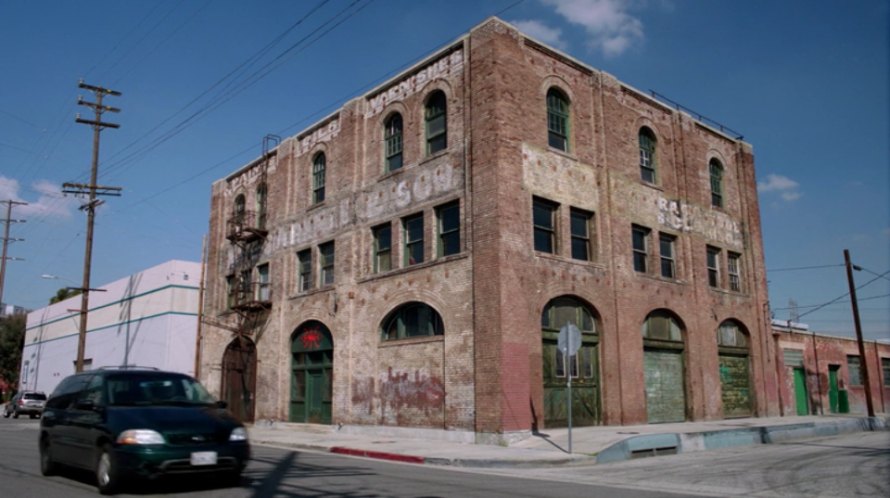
601	444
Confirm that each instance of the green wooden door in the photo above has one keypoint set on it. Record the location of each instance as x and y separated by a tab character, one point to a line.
832	388
800	391
312	375
735	386
665	390
585	392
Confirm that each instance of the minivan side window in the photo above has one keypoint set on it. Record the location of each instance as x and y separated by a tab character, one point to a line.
92	393
65	392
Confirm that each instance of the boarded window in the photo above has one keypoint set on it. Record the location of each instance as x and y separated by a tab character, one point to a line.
854	366
792	357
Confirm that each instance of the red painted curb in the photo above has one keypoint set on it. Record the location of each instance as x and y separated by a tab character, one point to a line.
377	454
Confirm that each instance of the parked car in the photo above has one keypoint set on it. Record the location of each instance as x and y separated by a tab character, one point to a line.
126	422
29	403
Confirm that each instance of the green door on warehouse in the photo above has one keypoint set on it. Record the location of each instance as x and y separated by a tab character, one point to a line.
312	366
800	391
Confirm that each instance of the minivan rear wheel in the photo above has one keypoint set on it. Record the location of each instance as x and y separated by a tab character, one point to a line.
47	466
107	474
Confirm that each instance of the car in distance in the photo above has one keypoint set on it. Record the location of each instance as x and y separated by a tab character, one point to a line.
126	422
29	403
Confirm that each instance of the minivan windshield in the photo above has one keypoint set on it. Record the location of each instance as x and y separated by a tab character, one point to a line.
155	389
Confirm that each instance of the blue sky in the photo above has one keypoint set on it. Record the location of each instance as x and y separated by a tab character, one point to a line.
806	82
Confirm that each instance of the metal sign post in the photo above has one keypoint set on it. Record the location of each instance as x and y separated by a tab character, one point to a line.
569	342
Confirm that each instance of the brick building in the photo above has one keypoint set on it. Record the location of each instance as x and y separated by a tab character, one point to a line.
823	374
410	259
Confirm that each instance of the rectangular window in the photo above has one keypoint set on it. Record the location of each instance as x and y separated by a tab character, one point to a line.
666	251
885	367
382	248
561	364
448	218
326	257
245	287
412	227
581	222
640	248
853	367
734	267
230	291
264	287
713	266
544	220
304	261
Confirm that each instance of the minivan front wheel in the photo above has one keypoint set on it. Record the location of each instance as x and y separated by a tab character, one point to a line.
107	474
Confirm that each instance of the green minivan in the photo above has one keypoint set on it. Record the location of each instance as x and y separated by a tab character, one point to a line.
125	422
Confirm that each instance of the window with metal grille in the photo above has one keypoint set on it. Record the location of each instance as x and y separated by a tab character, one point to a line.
640	237
666	244
448	219
392	138
716	170
713	266
544	220
581	222
734	269
382	248
854	366
326	257
263	291
435	120
557	120
319	165
647	155
412	227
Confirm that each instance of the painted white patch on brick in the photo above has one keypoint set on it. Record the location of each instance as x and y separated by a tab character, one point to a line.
444	67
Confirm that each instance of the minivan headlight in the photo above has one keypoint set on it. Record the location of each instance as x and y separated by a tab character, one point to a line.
140	436
238	434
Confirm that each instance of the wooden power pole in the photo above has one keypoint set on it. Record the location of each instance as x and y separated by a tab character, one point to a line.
6	240
863	361
91	190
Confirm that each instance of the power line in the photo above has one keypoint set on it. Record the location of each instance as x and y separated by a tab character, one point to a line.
841	297
769	270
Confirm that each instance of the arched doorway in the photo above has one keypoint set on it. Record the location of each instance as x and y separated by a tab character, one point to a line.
583	367
312	380
735	376
239	378
664	371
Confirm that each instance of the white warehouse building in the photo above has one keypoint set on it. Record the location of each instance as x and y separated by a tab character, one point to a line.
147	319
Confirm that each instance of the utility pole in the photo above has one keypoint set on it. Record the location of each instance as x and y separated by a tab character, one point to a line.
863	361
92	191
6	240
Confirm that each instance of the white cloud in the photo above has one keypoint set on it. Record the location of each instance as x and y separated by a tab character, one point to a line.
787	188
50	201
540	31
611	29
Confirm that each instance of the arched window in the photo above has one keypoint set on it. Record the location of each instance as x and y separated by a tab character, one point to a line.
261	204
392	138
318	177
557	120
647	155
412	320
435	121
239	209
730	335
661	325
563	310
716	170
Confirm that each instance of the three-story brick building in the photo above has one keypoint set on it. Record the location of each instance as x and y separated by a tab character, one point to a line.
410	259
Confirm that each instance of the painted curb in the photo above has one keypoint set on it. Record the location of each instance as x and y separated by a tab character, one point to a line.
379	455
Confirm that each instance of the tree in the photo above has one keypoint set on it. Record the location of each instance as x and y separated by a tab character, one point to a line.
63	294
12	339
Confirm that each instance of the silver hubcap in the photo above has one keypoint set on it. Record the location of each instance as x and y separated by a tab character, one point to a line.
103	468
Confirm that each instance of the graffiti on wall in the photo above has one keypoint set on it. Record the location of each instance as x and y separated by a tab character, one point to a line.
397	391
445	67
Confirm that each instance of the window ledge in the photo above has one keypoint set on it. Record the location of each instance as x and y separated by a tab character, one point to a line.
409	341
317	205
406	269
659	278
573	261
432	157
563	153
651	185
310	292
389	174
